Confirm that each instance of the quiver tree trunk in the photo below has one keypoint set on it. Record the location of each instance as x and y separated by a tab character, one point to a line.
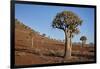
70	43
83	43
67	53
32	42
31	37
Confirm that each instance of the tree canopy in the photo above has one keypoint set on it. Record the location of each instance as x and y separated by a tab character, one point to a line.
67	20
83	38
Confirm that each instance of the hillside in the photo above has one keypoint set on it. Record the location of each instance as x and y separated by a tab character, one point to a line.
44	49
24	34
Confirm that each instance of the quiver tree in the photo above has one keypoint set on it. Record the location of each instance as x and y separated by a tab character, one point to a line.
68	22
83	39
31	35
42	40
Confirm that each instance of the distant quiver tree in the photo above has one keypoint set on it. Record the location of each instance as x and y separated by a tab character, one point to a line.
83	39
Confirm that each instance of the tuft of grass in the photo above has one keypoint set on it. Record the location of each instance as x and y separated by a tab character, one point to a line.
54	53
20	53
36	51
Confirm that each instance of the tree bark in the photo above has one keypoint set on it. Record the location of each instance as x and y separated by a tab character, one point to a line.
70	43
67	53
32	42
83	43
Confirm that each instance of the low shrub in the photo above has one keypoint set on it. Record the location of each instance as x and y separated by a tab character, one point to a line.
55	53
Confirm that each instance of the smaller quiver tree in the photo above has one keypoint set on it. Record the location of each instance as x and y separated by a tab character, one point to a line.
83	39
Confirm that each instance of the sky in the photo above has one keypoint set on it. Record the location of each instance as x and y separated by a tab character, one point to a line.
40	17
